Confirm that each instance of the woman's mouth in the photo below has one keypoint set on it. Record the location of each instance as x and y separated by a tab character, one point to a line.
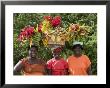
33	54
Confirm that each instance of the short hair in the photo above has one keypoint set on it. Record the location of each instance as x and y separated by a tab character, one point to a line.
77	45
32	47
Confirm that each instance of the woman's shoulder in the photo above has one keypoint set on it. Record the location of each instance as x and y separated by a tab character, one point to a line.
70	57
62	59
50	61
23	60
85	56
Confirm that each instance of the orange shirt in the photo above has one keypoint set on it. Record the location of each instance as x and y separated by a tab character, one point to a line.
32	69
78	66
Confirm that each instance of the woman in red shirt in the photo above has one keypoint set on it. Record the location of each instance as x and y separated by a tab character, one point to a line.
57	65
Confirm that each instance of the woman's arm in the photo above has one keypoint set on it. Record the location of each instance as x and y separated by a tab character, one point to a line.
49	67
89	66
89	70
67	73
45	70
18	67
49	71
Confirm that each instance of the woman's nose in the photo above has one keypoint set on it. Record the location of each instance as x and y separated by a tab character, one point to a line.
32	52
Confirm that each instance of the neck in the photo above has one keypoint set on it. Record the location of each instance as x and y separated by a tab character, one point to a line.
78	55
57	58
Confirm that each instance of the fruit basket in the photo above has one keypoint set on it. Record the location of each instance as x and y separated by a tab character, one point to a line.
52	33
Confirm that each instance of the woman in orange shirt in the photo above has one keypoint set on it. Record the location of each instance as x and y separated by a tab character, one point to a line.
31	65
79	64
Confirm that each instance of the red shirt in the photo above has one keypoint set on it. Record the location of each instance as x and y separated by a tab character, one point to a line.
58	67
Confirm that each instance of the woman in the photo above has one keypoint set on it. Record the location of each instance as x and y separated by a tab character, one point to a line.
79	64
31	65
57	65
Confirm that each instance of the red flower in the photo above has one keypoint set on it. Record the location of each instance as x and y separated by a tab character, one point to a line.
20	38
49	18
40	28
29	31
26	32
56	21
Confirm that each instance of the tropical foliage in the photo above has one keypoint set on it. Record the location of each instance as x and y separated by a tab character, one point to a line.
35	27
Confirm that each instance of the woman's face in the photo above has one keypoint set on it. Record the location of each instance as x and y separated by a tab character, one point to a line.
56	54
77	50
33	52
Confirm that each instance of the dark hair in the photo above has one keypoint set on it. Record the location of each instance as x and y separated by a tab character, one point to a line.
32	47
77	45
